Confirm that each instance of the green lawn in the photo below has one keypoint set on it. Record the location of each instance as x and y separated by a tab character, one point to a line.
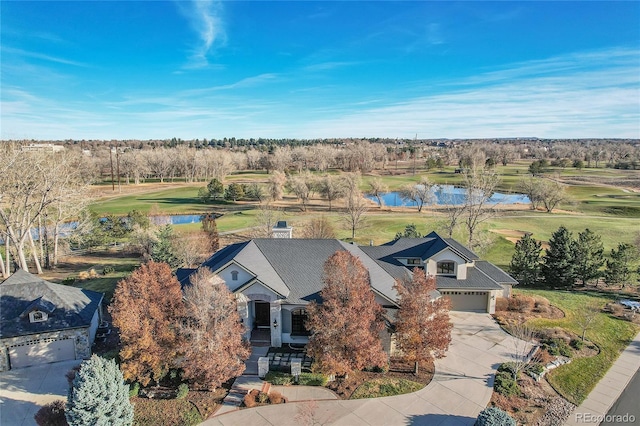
123	266
575	380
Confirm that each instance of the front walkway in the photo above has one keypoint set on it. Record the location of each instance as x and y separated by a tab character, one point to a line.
460	389
609	388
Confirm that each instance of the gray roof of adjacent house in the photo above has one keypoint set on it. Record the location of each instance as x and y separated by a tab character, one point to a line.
67	307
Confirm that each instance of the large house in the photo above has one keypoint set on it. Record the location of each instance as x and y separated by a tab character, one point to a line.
43	322
275	278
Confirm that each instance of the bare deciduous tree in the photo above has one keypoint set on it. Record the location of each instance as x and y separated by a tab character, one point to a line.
422	194
331	188
266	218
356	206
479	186
376	189
319	228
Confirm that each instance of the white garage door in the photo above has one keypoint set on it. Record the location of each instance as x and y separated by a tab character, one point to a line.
467	300
41	352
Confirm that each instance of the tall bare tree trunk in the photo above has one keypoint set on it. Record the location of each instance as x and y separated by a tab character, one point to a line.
56	238
7	253
34	253
2	268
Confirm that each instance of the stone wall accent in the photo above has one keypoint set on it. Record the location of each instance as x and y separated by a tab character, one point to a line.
80	336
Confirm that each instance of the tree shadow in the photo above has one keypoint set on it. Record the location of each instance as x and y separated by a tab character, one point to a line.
440	420
17	412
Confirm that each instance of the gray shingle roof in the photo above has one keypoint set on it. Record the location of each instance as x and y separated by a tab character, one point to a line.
475	280
22	292
495	273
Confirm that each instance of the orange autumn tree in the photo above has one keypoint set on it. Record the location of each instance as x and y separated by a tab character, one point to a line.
146	307
215	351
345	328
423	326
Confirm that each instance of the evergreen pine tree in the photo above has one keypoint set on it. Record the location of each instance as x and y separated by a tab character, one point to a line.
525	263
558	267
588	256
98	395
621	268
162	250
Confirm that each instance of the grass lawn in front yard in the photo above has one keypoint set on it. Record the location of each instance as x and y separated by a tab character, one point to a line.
575	380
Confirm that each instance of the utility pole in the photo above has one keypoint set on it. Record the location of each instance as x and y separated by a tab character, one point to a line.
118	167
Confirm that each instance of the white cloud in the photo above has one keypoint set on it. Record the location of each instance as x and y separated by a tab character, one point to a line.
205	18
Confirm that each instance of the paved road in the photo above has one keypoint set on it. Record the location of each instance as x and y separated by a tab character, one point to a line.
626	405
460	389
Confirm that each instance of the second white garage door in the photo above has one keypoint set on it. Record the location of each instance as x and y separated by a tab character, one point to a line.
41	352
467	300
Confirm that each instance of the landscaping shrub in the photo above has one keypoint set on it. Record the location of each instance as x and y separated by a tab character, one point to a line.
502	304
183	391
508	367
250	399
505	385
51	414
69	280
535	368
493	416
577	344
313	379
192	417
557	347
263	398
385	387
108	270
276	397
134	389
521	303
279	378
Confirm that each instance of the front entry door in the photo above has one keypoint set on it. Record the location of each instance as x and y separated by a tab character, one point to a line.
262	314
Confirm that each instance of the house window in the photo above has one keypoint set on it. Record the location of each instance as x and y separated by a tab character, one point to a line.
298	319
446	268
234	275
414	262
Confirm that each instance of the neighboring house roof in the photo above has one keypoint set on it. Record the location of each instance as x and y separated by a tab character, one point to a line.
67	307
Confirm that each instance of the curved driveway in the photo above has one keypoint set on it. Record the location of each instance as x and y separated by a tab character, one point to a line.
460	389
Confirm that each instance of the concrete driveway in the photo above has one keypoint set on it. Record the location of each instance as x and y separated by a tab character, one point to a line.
460	389
24	390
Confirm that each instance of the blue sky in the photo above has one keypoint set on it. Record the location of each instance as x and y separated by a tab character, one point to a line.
207	69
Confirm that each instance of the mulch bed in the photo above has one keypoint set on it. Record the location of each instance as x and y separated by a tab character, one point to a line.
344	387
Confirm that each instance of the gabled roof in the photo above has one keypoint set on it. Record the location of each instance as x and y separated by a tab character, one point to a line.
68	307
427	247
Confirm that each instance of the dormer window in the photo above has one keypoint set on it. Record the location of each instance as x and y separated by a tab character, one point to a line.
234	275
415	262
446	268
37	316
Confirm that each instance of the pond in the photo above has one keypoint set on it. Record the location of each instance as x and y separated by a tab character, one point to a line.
449	194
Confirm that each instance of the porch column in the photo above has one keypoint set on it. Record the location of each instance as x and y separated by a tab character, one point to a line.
243	311
276	317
